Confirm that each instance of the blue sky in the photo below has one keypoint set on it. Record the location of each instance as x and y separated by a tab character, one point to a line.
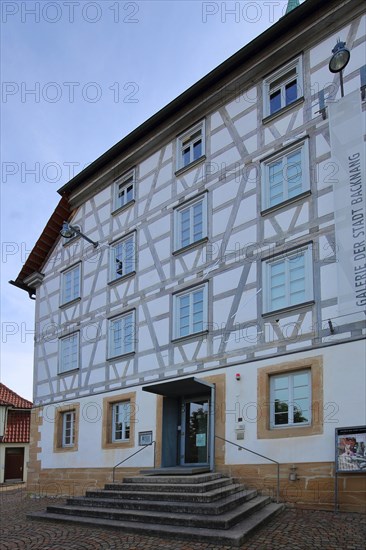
97	70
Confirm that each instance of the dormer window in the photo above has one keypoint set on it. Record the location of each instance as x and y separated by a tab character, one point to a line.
282	87
124	190
191	146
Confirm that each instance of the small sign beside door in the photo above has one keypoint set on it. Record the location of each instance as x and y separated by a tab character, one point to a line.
145	438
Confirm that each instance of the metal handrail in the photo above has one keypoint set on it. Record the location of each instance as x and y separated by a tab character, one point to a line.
133	454
262	456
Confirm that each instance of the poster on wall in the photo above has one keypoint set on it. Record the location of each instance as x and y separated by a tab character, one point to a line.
350	452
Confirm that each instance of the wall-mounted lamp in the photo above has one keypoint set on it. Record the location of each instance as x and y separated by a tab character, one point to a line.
339	61
293	475
237	376
68	231
331	327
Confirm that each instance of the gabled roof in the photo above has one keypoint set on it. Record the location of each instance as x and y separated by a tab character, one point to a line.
10	398
148	130
18	427
291	19
215	78
44	245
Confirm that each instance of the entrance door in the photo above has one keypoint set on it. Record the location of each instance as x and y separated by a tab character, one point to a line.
14	461
188	422
195	431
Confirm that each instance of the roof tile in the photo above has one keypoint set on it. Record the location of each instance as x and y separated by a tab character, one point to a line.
18	427
10	398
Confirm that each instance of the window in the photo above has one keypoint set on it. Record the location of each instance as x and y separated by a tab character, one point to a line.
191	222
70	286
66	434
287	280
190	312
124	190
283	87
69	353
121	421
122	258
285	176
121	335
68	429
118	424
290	399
191	146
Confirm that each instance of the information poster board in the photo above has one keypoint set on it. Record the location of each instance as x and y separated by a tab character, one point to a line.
145	438
350	450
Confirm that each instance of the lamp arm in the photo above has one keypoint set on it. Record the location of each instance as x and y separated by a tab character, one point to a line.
78	232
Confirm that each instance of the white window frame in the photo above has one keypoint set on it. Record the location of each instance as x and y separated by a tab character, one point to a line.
186	140
121	184
285	257
68	417
291	401
176	310
303	147
118	259
178	221
63	368
127	320
70	271
125	422
280	75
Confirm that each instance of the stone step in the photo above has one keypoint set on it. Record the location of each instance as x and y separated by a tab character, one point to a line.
176	480
169	488
176	470
232	537
224	521
213	508
208	496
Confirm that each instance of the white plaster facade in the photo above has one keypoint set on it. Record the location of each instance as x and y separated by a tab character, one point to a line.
339	409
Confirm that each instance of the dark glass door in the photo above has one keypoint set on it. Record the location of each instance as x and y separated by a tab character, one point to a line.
195	431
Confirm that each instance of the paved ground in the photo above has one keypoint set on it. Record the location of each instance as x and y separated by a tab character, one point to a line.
292	530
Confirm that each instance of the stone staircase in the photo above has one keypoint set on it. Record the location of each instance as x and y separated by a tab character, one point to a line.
203	507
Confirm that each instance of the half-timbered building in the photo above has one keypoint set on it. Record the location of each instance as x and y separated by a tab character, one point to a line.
213	309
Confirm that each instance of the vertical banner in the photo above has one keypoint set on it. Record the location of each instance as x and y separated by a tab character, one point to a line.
347	147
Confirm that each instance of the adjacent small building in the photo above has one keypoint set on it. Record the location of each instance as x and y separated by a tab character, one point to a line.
15	419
